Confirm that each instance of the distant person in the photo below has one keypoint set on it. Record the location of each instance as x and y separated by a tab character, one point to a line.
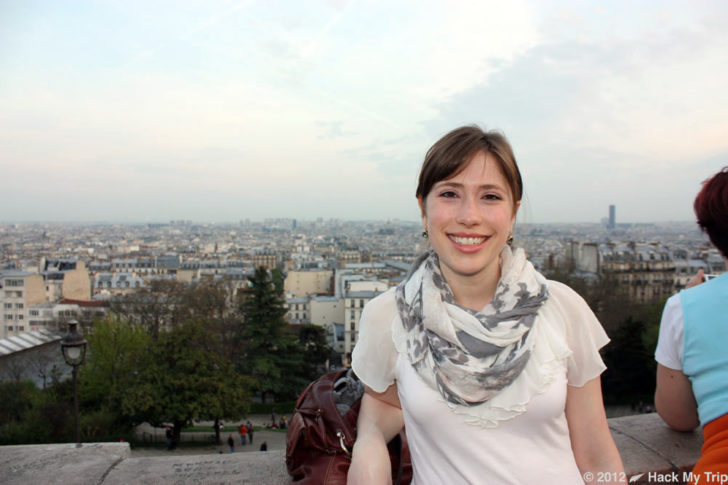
692	349
231	443
264	446
493	370
169	435
282	423
251	430
243	430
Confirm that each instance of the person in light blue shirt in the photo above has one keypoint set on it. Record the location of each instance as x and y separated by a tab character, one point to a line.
692	350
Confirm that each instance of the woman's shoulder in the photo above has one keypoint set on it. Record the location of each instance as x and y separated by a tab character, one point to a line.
569	306
564	295
382	304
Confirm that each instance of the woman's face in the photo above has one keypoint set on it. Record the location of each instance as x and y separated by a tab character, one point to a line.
468	218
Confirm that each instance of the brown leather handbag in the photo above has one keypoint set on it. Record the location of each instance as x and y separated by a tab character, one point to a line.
322	432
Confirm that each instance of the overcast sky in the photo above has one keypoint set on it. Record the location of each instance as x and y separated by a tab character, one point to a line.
138	111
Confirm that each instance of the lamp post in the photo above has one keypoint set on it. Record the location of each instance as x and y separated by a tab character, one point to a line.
73	346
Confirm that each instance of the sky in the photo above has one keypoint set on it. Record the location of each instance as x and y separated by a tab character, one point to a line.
221	111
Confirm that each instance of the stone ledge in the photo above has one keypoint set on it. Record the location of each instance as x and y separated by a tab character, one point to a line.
645	442
60	464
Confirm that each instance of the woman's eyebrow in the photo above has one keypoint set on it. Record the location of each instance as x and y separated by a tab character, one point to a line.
459	185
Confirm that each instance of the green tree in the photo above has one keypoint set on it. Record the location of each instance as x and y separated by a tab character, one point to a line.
316	351
630	374
268	350
277	278
183	379
210	301
115	353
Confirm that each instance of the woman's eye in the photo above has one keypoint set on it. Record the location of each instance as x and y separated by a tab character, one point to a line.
448	194
492	197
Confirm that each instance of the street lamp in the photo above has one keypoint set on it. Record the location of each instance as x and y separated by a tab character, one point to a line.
73	346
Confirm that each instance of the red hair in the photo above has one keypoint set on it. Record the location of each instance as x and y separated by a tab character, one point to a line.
711	209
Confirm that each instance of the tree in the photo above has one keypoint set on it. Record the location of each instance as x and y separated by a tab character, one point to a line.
115	354
155	307
182	379
278	280
269	350
316	351
210	301
630	374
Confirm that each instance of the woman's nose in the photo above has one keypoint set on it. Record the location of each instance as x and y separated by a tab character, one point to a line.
468	212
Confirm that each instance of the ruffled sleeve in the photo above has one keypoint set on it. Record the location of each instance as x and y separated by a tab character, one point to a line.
584	335
375	357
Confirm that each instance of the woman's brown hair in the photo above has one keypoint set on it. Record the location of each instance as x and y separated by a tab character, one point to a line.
451	154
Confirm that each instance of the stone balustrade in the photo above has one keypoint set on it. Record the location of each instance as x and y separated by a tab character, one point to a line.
647	446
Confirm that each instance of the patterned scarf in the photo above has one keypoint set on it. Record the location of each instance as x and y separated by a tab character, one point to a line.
470	356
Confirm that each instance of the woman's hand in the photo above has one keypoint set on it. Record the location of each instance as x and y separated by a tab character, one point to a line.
697	279
380	419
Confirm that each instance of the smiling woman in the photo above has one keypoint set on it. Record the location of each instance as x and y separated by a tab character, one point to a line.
493	370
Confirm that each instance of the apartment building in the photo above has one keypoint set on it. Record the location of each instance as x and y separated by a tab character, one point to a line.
303	283
299	310
328	312
356	296
19	290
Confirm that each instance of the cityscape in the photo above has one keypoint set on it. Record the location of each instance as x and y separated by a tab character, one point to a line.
52	273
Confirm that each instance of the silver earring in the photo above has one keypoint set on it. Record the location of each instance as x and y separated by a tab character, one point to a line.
425	234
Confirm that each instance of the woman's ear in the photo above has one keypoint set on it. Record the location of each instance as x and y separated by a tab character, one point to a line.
421	203
515	213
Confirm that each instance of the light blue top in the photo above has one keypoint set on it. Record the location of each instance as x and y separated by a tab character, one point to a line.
705	354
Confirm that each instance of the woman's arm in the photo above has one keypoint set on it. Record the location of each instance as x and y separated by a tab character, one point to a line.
380	419
591	440
674	399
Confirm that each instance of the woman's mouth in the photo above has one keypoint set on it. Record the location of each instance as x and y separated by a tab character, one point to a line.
467	240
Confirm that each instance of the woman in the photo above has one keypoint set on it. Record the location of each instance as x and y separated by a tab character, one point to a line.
692	356
493	370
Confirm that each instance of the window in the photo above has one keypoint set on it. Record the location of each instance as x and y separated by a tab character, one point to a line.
10	282
8	306
10	328
21	328
8	317
19	305
20	317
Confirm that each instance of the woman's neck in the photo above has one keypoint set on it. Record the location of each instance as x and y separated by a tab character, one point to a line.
474	292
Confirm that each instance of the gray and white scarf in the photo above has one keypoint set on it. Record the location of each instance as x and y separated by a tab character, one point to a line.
470	356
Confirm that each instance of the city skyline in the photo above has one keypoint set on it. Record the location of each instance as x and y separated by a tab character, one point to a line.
151	112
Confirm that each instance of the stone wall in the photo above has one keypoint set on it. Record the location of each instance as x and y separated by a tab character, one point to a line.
648	448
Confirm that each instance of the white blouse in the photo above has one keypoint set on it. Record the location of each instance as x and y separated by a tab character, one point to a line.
519	436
